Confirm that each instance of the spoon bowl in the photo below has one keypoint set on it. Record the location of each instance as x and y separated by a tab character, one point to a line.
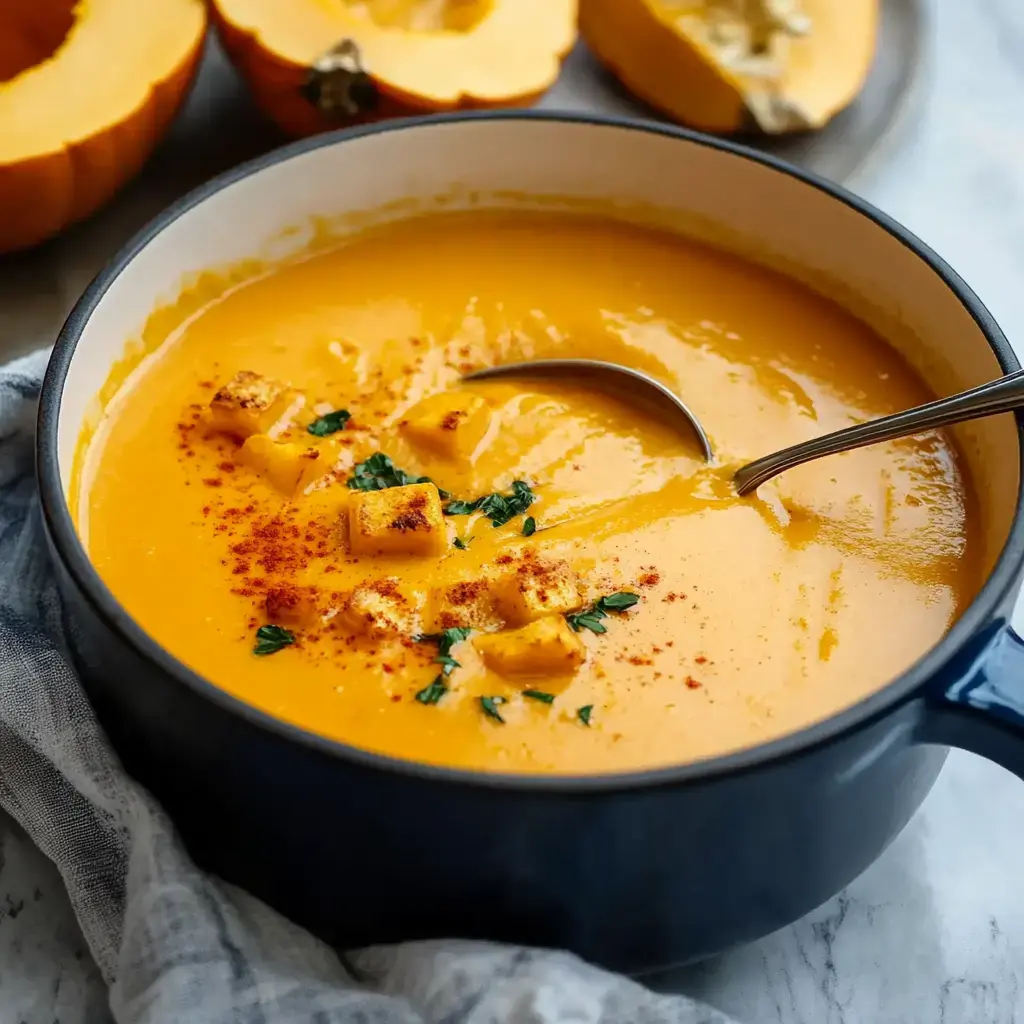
1001	395
634	386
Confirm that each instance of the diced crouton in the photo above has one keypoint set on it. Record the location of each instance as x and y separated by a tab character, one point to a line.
397	521
380	608
252	404
290	605
469	602
537	588
547	647
289	467
450	424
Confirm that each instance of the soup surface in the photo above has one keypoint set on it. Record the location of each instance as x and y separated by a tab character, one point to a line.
253	498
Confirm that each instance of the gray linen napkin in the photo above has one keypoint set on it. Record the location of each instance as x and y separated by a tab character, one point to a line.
172	943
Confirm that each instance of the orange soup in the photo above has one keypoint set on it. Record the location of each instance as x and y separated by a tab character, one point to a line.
298	497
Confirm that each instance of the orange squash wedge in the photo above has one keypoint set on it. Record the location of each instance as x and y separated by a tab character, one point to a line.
317	64
87	89
735	65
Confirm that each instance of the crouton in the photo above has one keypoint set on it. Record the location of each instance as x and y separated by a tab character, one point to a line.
289	467
537	588
547	647
450	424
470	602
397	521
252	404
380	608
291	605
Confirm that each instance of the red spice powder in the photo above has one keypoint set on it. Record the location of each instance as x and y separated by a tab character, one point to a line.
466	592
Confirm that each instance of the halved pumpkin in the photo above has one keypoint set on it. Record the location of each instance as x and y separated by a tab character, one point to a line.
87	89
734	65
316	64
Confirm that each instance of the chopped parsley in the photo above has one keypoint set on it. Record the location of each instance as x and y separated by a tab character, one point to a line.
378	473
491	705
462	545
529	526
329	423
618	602
445	642
544	698
590	618
499	508
270	639
584	713
434	692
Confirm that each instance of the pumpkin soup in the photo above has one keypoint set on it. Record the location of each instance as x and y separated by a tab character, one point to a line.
298	497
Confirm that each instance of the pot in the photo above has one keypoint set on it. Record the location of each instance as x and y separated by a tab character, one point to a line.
635	870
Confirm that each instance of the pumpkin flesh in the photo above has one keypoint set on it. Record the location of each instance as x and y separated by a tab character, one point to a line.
731	65
421	55
69	137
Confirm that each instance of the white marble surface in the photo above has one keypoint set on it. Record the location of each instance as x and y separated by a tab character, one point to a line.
933	933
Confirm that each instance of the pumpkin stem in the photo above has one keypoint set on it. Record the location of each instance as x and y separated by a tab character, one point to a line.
338	85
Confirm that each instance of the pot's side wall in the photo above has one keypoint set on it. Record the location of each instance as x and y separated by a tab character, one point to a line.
631	880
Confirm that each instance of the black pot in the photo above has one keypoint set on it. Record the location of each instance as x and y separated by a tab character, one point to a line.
632	871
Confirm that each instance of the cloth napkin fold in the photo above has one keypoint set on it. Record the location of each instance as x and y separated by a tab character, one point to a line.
174	944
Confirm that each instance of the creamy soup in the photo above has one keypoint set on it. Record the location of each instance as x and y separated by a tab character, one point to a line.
296	496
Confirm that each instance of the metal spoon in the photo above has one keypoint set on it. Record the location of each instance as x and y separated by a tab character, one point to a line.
1002	395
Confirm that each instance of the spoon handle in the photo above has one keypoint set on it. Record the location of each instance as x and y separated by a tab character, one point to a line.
1002	395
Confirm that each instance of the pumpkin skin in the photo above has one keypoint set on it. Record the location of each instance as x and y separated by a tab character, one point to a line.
397	57
69	140
771	66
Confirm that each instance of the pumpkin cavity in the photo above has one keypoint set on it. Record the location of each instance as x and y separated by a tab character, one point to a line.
32	33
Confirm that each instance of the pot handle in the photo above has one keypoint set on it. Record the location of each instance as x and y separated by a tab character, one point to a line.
982	709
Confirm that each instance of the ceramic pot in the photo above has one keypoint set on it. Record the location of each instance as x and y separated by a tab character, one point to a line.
634	870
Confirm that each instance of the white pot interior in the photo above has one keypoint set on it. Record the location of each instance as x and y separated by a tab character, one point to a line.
730	201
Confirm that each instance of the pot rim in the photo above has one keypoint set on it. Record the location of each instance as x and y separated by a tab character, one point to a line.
69	548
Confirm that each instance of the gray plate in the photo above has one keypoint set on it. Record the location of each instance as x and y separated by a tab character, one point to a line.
220	127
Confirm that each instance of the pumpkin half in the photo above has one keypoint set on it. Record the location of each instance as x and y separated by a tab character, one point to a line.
87	89
734	65
316	64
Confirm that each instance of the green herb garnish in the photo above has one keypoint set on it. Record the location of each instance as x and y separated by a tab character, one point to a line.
378	473
445	642
499	508
460	508
329	423
590	618
462	545
529	526
434	692
544	698
490	706
584	713
618	602
270	639
586	620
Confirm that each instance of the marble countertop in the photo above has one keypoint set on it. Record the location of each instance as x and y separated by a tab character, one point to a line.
933	933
